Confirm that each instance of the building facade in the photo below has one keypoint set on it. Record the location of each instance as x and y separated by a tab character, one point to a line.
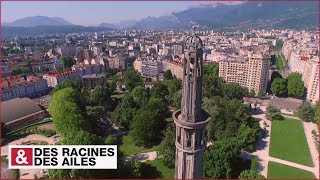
174	67
54	78
91	81
251	72
310	77
19	86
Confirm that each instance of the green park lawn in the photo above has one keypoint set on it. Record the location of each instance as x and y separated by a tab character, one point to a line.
279	63
280	171
288	142
119	96
161	170
129	148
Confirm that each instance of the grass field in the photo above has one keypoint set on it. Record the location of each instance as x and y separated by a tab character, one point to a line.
162	170
128	147
288	142
279	171
285	61
119	96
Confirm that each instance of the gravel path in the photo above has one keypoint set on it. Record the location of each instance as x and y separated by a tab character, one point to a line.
5	172
24	173
143	157
263	144
308	127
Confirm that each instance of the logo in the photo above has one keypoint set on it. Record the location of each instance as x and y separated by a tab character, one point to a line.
21	156
62	157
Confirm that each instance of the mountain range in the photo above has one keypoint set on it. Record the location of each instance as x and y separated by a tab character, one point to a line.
216	15
38	21
270	14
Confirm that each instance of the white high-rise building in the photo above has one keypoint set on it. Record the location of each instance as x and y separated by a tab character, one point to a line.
251	72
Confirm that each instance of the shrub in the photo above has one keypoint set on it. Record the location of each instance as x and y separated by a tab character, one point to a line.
273	113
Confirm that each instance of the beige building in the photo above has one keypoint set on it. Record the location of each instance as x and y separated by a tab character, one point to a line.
54	77
174	67
148	67
251	72
310	77
19	86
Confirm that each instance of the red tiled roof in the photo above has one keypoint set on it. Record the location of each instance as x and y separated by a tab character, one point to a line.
304	58
58	74
175	63
119	73
14	81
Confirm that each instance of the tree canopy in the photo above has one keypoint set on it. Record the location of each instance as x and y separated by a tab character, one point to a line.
145	128
227	117
306	112
295	85
279	87
101	96
132	79
66	115
211	70
218	159
124	112
167	148
273	113
68	61
168	75
212	86
234	91
140	95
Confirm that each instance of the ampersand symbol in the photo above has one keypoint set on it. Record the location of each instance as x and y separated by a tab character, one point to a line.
20	159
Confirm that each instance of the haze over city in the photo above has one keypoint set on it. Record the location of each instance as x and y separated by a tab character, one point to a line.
184	90
88	13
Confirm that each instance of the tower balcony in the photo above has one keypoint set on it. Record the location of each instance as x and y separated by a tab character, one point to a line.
181	121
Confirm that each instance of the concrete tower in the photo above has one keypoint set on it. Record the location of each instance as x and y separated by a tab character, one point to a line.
191	120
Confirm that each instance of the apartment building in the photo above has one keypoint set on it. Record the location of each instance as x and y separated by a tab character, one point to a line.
19	86
174	67
148	67
54	78
251	72
310	77
91	81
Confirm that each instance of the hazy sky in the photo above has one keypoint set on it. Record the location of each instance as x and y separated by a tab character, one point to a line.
91	13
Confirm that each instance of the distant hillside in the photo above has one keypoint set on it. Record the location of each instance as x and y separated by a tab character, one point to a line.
38	21
249	14
108	25
40	30
119	25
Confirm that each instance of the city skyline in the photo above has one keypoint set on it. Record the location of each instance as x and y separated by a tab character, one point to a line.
218	90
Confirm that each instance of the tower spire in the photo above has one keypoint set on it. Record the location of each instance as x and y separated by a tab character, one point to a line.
191	120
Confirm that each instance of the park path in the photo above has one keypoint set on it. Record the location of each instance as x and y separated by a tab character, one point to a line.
31	137
289	163
263	146
25	173
149	156
290	117
308	127
143	157
5	172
